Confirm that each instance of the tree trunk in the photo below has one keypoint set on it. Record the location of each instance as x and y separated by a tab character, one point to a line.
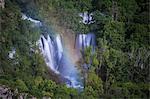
114	11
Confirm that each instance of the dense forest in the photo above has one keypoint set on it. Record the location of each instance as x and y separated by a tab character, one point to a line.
120	64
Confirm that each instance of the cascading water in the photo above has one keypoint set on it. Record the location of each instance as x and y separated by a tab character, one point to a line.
57	57
47	49
86	18
59	47
36	22
85	40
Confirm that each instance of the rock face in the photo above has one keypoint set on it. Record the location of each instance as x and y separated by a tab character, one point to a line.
7	93
2	4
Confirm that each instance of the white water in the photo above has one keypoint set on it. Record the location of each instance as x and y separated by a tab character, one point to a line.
86	17
85	40
36	22
59	47
48	52
57	59
56	56
12	53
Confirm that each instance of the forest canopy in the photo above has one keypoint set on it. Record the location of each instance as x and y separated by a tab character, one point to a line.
120	64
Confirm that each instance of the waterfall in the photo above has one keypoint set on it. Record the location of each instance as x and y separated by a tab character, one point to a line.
58	60
57	57
36	22
85	40
12	53
86	18
48	52
59	47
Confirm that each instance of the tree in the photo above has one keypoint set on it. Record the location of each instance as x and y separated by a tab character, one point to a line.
115	34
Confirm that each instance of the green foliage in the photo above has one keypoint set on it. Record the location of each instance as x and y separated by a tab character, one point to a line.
89	93
122	44
95	61
139	34
21	86
87	55
118	68
130	90
127	9
114	34
95	82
